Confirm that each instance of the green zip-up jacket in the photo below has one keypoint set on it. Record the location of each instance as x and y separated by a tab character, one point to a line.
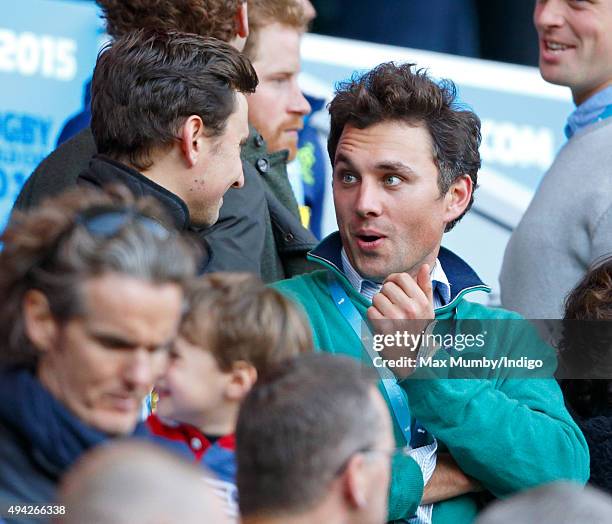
509	434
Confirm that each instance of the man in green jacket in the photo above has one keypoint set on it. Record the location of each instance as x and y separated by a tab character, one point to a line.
405	163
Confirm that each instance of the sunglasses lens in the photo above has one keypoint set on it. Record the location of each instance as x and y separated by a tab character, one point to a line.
109	223
153	226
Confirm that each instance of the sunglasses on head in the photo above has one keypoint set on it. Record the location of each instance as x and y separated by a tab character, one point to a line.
106	222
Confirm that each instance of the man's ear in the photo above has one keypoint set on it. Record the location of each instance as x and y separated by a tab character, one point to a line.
193	140
354	481
40	325
458	197
242	377
241	20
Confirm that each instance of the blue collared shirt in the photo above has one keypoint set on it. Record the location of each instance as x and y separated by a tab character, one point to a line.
369	288
594	109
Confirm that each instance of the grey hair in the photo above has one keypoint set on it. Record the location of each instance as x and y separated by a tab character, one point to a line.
298	427
559	503
48	250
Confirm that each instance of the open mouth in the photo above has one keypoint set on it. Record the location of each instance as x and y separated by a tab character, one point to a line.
369	241
368	238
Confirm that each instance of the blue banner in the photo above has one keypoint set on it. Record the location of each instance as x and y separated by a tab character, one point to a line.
47	53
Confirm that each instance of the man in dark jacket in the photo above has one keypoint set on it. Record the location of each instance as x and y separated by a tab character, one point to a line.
278	107
256	231
156	128
92	290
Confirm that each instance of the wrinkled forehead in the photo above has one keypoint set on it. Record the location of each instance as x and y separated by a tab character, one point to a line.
384	143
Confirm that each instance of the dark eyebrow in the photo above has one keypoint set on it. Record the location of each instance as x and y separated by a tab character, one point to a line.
386	166
119	341
341	158
111	339
398	167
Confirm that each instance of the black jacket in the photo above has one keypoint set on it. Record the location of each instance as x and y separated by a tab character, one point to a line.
256	231
103	171
598	434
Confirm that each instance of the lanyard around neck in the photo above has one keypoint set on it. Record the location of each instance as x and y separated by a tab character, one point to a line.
399	404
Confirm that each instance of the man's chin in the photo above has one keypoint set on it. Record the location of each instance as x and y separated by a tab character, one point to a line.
370	270
205	221
291	146
293	149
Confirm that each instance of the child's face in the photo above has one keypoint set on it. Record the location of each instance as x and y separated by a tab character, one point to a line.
194	387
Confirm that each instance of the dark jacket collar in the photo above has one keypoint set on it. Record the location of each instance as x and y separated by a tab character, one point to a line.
460	275
103	171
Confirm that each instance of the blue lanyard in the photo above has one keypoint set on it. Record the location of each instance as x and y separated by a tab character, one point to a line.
399	404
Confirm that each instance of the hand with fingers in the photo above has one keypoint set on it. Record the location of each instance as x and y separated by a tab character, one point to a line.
403	306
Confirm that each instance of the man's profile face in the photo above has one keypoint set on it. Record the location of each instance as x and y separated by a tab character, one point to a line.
277	108
575	44
220	169
102	364
390	213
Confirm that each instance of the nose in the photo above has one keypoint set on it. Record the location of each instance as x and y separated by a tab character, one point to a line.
547	14
144	368
368	203
298	104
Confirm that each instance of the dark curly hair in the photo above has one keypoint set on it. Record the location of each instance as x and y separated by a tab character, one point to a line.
586	344
391	92
202	17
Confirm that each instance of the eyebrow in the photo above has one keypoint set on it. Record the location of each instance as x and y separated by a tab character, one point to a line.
111	338
398	167
389	165
343	159
117	340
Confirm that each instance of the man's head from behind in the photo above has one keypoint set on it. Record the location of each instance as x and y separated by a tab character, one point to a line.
234	329
222	19
405	161
575	44
135	482
172	106
314	439
277	108
557	503
91	286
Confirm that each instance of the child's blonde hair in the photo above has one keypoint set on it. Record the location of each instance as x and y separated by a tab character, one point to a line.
236	317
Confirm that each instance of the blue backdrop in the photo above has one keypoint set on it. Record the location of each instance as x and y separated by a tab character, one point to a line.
47	52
